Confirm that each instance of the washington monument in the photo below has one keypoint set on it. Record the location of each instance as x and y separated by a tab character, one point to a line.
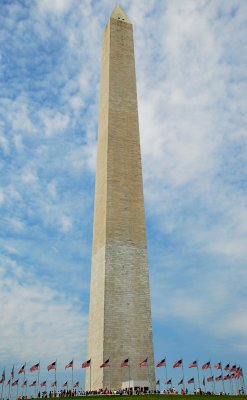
120	326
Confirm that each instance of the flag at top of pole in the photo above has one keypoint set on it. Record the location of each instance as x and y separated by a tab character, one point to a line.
143	363
22	369
15	383
35	367
105	364
193	364
206	365
161	363
43	384
32	384
227	367
69	365
76	384
125	363
24	383
177	364
86	364
191	380
52	366
218	366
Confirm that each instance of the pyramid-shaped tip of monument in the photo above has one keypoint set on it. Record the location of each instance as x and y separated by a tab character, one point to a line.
119	14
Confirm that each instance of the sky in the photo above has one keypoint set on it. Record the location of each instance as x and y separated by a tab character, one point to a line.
191	83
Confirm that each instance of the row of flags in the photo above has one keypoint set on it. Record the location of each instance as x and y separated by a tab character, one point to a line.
125	363
42	384
234	371
210	379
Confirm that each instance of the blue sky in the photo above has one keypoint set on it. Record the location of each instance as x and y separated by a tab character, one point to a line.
191	81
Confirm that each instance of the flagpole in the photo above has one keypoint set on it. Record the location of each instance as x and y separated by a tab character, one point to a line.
129	375
213	384
90	376
204	383
9	390
72	373
194	384
37	386
17	388
56	376
166	376
110	379
183	374
222	379
3	378
243	380
198	376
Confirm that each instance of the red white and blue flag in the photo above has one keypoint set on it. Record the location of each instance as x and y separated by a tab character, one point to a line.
161	363
178	363
191	380
22	369
54	384
206	366
210	379
76	384
8	383
125	363
181	382
65	384
193	364
52	366
144	363
32	384
218	366
105	364
227	367
24	383
86	364
15	383
69	365
13	372
157	382
169	382
219	378
43	384
35	367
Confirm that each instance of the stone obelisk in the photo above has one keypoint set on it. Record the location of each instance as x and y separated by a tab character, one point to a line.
120	324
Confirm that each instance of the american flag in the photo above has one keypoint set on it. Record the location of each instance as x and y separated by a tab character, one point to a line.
43	384
210	379
181	382
15	383
86	364
206	366
24	383
65	384
13	372
3	376
144	363
35	367
169	382
76	384
161	363
218	366
54	384
22	369
125	363
227	367
219	378
32	384
193	364
69	365
105	364
191	380
52	366
177	364
157	382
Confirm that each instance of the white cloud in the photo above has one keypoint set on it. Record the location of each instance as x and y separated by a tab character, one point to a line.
37	320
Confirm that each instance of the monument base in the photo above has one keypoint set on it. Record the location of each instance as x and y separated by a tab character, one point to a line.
136	385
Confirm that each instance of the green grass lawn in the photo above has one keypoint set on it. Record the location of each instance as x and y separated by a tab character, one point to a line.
157	396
